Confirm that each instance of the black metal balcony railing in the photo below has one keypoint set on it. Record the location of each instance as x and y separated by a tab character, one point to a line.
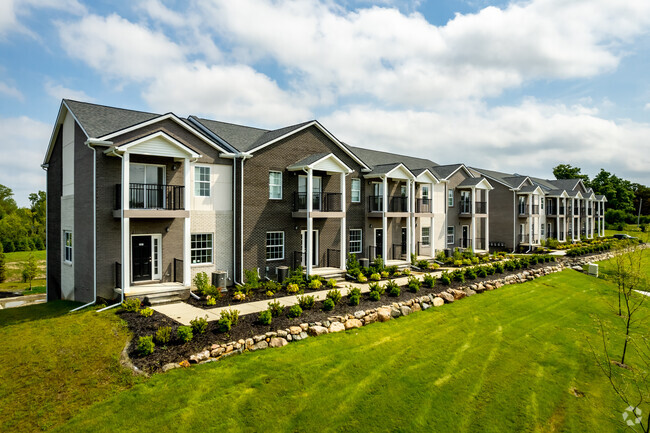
551	235
480	207
523	210
373	252
297	259
465	243
561	237
551	210
324	202
423	205
152	196
118	275
590	211
464	207
561	210
398	204
528	239
534	209
423	247
178	270
375	203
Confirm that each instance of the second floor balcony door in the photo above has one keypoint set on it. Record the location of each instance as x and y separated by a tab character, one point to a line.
465	202
316	192
146	186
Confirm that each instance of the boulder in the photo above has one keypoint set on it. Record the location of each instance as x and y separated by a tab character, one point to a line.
447	297
370	318
295	330
184	363
383	314
359	314
304	326
336	327
395	312
303	335
353	323
278	342
438	302
458	294
405	311
259	346
469	292
249	342
425	306
317	330
258	338
217	352
282	333
269	335
415	307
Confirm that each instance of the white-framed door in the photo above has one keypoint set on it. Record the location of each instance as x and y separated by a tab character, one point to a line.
317	191
314	248
146	257
465	242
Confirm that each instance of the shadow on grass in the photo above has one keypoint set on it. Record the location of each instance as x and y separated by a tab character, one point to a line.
13	316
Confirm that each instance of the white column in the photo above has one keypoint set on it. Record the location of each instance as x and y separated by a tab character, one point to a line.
384	220
530	219
126	226
413	209
187	252
472	203
487	220
310	223
557	218
409	222
344	243
432	238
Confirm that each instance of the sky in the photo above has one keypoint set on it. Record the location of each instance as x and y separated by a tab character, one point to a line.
517	86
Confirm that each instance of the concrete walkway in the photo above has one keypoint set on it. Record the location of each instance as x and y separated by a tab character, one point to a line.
183	312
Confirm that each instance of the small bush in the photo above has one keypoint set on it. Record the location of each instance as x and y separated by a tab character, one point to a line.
306	302
328	304
374	295
293	288
429	280
224	325
331	283
201	283
265	317
184	333
146	312
423	264
334	295
467	262
375	277
406	271
354	296
498	267
392	269
239	296
445	279
385	274
145	345
275	308
315	284
164	334
458	263
470	273
458	275
413	284
362	278
482	272
375	287
294	312
211	301
199	325
232	315
132	304
272	286
392	288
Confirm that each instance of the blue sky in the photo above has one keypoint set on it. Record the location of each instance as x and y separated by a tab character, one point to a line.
513	86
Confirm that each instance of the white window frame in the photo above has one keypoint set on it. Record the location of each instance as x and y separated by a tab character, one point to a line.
201	249
423	189
275	185
353	190
67	249
281	245
450	198
452	234
200	184
359	241
425	239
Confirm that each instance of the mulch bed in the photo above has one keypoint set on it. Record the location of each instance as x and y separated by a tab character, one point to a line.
175	351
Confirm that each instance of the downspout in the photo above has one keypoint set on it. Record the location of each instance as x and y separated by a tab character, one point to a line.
234	220
45	167
514	221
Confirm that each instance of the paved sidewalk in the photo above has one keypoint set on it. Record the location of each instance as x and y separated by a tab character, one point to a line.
183	312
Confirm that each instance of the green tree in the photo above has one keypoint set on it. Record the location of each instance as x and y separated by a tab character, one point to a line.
566	171
642	196
3	268
30	269
7	203
619	192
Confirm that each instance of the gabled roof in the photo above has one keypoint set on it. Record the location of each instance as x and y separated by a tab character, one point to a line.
99	120
321	161
424	174
378	157
529	189
446	171
390	170
513	181
556	193
567	184
475	182
601	198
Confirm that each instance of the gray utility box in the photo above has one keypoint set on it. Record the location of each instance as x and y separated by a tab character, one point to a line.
219	279
592	269
283	273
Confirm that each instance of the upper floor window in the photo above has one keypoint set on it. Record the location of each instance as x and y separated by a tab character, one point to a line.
356	190
275	185
403	191
450	198
202	181
425	191
67	246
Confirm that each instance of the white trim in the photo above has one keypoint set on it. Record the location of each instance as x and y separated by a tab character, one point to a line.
432	177
314	247
160	262
453	235
323	130
123	148
65	247
352	200
470	174
281	185
409	173
314	165
57	124
171	116
211	262
196	182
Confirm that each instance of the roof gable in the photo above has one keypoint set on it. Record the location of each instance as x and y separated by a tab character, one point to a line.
156	144
321	162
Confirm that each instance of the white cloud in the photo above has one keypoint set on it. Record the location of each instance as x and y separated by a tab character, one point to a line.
11	12
57	91
11	92
647	106
26	139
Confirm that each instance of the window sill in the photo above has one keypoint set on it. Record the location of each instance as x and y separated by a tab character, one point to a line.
275	260
67	263
201	264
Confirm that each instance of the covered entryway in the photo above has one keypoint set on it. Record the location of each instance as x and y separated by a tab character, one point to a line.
314	245
146	257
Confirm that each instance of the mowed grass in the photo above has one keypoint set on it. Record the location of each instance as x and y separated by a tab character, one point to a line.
632	230
14	267
54	364
504	361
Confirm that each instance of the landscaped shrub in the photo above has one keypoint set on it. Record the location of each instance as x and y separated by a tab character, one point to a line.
413	284
376	287
392	269
458	275
132	304
374	295
385	274
293	288
239	295
315	284
164	334
392	288
467	262
184	333
362	278
406	271
458	263
146	312
331	283
482	272
534	259
508	266
498	267
328	304
224	325
212	292
265	317
352	264
375	277
199	325
470	273
201	282
474	260
232	315
429	280
211	301
252	279
354	296
306	302
272	286
334	295
423	264
379	263
445	279
275	308
145	345
294	312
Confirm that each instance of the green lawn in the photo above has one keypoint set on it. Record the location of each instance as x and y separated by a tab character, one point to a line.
503	361
14	262
38	286
54	364
631	230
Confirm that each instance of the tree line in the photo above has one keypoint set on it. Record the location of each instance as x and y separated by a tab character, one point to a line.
623	196
22	228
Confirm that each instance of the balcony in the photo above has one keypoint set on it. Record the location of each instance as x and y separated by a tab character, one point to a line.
321	202
152	197
395	204
424	205
528	239
480	207
375	203
465	207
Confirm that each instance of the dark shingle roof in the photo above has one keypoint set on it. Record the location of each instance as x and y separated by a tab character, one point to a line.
567	184
383	168
554	192
528	188
444	171
308	160
471	181
378	157
511	180
100	120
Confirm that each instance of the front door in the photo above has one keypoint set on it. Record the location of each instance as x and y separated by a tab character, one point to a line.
314	248
403	240
379	242
141	256
465	238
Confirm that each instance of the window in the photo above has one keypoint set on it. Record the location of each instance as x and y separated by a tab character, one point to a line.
426	239
450	199
355	241
274	245
541	203
425	191
450	234
201	248
202	181
67	246
275	185
403	191
356	190
541	228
